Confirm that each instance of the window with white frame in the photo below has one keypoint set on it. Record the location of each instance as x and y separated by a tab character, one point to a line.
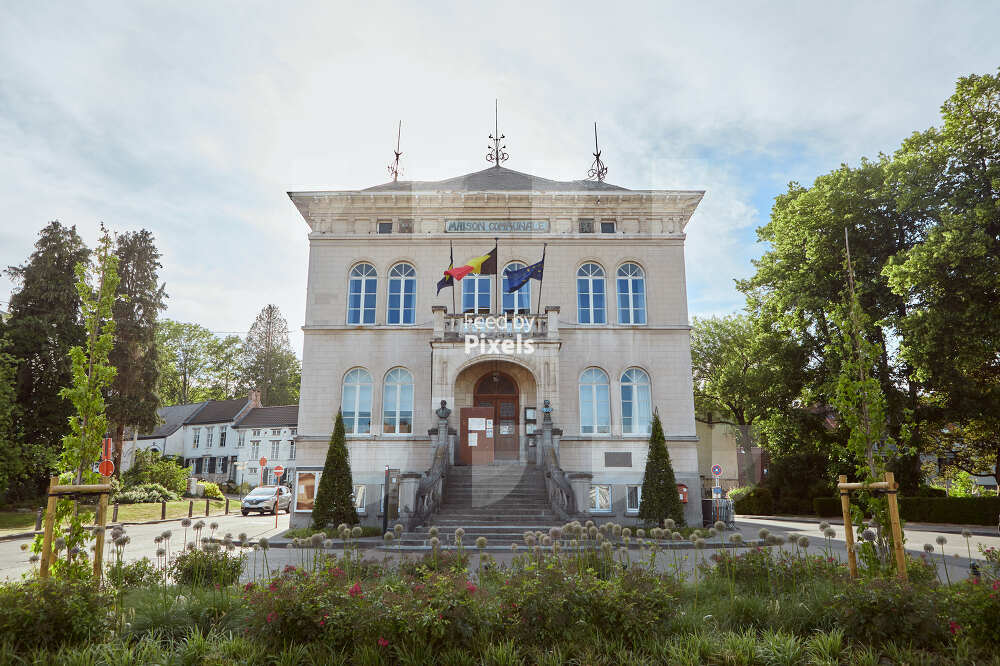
275	432
359	498
291	450
595	403
356	402
590	295
361	292
633	499
209	435
256	433
210	462
476	295
293	431
636	403
631	294
520	301
197	437
241	439
265	476
397	402
275	446
402	295
222	435
255	449
600	498
223	464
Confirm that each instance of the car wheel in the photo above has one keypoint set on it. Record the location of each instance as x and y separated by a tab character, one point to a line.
244	512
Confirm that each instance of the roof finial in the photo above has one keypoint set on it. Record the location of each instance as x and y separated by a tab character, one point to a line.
597	169
497	152
394	169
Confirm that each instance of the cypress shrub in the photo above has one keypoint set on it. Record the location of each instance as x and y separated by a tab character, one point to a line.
660	498
757	502
334	502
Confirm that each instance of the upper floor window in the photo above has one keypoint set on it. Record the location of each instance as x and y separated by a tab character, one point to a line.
356	402
520	301
256	433
608	227
293	431
254	449
209	434
590	295
241	438
197	437
595	404
291	450
275	448
385	227
402	294
636	403
397	402
361	295
631	294
222	435
477	296
275	432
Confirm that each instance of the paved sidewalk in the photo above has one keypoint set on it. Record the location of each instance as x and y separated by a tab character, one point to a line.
947	528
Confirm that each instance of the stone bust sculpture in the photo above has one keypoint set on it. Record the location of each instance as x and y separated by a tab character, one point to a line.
443	412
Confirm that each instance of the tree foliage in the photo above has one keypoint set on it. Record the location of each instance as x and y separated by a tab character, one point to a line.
334	503
149	467
660	498
269	364
184	353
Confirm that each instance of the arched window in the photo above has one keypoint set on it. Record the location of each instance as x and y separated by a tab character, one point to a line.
402	294
590	307
636	403
476	295
520	301
361	295
631	294
595	404
356	402
397	402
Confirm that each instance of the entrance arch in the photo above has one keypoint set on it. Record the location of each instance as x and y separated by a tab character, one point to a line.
499	392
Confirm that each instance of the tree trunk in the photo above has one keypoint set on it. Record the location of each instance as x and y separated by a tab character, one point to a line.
745	464
116	455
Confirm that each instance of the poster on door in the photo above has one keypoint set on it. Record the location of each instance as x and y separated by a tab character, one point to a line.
489	428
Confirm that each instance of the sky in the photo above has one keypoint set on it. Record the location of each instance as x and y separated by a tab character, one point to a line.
194	119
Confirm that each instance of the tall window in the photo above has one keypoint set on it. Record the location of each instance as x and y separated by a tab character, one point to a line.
631	294
255	449
636	404
397	402
590	307
520	301
241	438
361	295
209	434
356	402
222	435
600	498
476	294
402	294
291	450
359	498
595	406
275	446
197	436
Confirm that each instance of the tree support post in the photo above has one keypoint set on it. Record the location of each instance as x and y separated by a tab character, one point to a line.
891	488
897	530
50	520
190	508
207	506
845	505
102	519
163	509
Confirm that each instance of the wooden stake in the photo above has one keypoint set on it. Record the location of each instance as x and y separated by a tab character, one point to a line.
897	530
845	504
102	521
50	519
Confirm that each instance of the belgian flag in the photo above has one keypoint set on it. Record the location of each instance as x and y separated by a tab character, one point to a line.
483	265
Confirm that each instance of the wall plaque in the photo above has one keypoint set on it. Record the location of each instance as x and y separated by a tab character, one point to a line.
617	459
496	226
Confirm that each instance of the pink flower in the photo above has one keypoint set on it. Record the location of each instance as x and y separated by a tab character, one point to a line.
271	616
248	587
470	587
273	586
996	585
355	590
322	622
955	627
382	642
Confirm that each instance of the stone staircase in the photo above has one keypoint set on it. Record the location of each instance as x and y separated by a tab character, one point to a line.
498	501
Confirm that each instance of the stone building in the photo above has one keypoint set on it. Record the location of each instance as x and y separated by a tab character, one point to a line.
567	387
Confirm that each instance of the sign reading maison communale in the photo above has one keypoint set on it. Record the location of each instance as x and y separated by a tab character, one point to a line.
496	226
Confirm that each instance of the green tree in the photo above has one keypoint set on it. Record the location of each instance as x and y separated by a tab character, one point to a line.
744	371
334	502
44	323
269	364
18	461
184	353
660	499
133	400
223	373
149	467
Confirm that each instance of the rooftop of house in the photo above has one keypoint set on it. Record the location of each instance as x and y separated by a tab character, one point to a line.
172	417
217	411
270	417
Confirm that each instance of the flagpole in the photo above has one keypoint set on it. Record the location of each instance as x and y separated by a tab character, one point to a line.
540	281
451	261
496	275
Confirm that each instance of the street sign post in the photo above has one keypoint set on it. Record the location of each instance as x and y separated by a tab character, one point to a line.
717	470
278	471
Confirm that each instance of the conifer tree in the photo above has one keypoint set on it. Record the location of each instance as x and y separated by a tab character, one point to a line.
334	502
659	487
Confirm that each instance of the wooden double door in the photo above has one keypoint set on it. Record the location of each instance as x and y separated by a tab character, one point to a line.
496	410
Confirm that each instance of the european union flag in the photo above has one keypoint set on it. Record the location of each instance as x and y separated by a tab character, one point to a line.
517	279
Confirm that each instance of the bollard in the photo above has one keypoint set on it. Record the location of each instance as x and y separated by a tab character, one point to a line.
227	506
38	518
114	514
163	509
207	505
190	508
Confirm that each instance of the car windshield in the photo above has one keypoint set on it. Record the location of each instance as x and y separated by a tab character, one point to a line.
261	492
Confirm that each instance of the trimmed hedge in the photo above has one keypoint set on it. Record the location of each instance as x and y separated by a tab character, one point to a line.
958	510
757	502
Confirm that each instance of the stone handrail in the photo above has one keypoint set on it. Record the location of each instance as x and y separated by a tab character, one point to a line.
561	496
430	490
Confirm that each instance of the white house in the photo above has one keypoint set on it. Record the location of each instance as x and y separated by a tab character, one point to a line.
266	432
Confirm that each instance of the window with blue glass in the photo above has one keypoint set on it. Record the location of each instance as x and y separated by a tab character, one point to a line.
476	293
402	294
595	403
361	295
520	301
356	402
397	402
636	403
631	294
590	307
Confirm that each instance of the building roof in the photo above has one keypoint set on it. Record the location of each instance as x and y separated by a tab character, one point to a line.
218	411
496	179
172	417
269	417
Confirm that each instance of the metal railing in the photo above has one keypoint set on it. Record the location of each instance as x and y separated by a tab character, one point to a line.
533	325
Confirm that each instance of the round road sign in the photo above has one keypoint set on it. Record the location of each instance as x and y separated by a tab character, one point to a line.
716	470
106	468
278	471
263	462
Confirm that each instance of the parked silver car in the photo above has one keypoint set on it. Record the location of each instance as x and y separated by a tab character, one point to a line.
267	499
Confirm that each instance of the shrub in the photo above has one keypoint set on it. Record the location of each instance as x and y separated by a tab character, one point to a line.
211	490
48	613
827	507
961	510
974	611
149	467
334	502
127	575
763	571
147	492
660	499
209	566
878	611
757	502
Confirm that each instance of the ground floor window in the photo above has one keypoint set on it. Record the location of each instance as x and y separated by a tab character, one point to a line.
305	490
600	498
359	498
634	499
223	464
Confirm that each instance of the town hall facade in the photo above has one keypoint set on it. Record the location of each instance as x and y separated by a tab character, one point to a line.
576	362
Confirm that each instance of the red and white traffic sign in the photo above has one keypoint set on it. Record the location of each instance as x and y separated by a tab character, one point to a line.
106	468
716	470
263	462
278	471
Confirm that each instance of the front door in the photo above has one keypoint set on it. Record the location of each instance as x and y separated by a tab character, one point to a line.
476	444
498	392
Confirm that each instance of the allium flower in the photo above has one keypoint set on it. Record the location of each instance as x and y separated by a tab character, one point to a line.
388	537
356	532
966	534
941	540
719	525
264	543
481	542
157	540
459	533
341	527
34	558
167	534
712	532
699	543
397	528
435	542
529	540
546	541
589	524
640	533
763	533
317	539
185	522
823	526
243	536
200	525
606	546
829	533
928	548
433	531
677	536
803	541
626	532
555	532
160	552
592	532
736	538
669	523
868	535
213	525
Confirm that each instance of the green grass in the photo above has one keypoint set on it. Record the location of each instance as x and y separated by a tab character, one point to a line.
14	522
